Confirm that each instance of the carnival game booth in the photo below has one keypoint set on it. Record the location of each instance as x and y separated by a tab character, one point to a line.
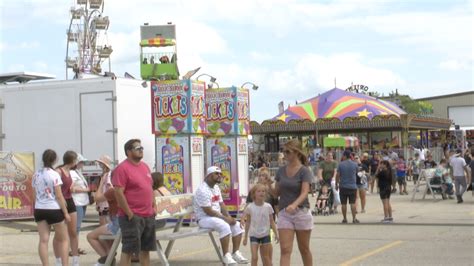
228	126
377	124
179	125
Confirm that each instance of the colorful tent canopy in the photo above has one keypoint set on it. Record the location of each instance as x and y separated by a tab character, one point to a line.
337	103
344	142
157	42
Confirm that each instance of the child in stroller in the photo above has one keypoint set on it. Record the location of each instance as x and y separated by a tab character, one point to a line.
323	204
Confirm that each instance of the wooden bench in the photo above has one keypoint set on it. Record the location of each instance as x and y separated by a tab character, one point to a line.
178	207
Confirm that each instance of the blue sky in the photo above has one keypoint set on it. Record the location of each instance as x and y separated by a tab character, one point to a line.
292	49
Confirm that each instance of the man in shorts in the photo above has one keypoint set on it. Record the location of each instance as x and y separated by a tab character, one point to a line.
346	179
211	212
134	194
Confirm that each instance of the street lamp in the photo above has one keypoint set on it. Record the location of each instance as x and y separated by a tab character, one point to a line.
254	87
211	79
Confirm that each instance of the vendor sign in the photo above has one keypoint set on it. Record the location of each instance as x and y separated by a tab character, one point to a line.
16	192
174	162
177	107
243	112
220	111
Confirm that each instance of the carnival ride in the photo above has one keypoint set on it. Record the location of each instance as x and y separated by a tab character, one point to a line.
158	59
87	42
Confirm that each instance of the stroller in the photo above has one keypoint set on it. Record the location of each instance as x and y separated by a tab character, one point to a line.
324	201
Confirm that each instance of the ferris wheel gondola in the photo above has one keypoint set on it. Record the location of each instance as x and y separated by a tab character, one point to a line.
87	43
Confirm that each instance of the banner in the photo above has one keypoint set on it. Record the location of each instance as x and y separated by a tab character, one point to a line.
243	112
174	162
198	118
170	106
16	191
220	111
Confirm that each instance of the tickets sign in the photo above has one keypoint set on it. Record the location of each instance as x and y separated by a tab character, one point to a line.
177	107
16	192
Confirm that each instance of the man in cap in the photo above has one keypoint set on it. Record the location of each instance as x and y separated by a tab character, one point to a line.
460	173
211	212
346	179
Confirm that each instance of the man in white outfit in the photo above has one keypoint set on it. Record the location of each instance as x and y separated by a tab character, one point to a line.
211	212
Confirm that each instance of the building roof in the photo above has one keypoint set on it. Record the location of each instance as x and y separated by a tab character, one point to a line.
445	96
23	77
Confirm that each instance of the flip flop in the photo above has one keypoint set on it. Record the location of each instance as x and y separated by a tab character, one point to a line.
81	251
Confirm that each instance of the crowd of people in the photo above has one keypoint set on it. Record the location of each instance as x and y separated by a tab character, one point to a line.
62	195
277	207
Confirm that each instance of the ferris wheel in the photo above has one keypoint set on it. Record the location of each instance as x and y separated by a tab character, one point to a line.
87	43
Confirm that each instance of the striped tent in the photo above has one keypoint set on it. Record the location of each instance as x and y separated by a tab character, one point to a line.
337	103
157	42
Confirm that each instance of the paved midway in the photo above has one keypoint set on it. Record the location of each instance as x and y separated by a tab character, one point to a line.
425	232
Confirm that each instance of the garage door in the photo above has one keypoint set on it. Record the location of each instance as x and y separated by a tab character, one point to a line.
462	115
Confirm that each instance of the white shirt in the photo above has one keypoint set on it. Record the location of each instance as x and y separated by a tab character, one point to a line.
206	196
44	182
259	219
80	198
457	163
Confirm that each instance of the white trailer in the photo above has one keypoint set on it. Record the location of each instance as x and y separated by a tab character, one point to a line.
91	116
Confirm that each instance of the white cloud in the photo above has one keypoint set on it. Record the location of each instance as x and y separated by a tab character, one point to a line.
455	65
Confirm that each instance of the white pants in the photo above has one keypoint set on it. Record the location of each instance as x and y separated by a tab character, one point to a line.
221	226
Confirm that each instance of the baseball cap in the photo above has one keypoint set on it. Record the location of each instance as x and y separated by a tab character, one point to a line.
213	169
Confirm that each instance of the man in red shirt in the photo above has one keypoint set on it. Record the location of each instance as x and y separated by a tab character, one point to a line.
133	186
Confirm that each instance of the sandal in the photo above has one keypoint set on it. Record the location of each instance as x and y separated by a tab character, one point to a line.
355	221
80	251
344	221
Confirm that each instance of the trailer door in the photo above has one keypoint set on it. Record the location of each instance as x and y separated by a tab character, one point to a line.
97	125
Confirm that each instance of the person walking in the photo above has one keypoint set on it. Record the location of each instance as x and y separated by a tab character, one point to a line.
374	164
460	173
80	190
211	212
327	171
384	176
69	162
361	181
346	180
259	221
134	194
292	185
50	210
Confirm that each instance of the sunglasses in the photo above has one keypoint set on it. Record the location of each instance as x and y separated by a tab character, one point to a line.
287	151
138	148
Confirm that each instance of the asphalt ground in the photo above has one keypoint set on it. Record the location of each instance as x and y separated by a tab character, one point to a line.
424	232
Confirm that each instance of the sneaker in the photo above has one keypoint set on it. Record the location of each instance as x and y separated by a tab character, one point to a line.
387	221
355	221
237	256
363	211
75	260
228	260
58	262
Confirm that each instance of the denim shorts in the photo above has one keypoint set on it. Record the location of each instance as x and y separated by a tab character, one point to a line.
138	234
113	225
300	220
260	240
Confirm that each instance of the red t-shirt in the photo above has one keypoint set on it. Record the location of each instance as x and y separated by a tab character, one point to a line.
137	187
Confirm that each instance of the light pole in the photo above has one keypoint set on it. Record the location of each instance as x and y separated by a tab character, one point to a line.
254	87
211	79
